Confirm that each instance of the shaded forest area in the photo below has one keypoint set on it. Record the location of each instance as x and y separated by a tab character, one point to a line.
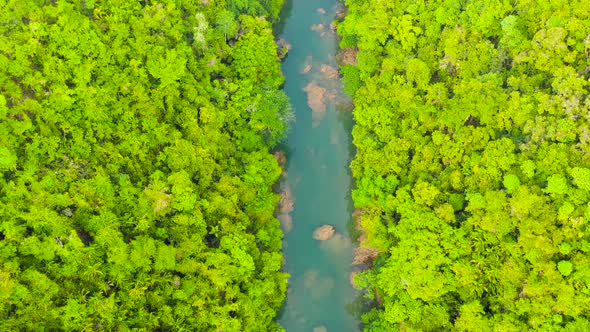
473	166
135	187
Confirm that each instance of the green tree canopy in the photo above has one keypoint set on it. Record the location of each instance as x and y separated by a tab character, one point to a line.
135	186
479	111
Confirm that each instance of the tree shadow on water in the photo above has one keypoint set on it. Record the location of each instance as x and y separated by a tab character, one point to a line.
360	306
279	26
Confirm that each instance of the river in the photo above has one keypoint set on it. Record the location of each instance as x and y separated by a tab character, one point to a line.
317	177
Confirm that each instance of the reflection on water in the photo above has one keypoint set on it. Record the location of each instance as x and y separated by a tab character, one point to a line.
316	191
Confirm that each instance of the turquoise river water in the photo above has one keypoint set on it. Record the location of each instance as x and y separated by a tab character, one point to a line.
317	179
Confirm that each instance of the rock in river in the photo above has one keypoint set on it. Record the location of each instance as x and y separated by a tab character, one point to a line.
320	328
315	97
286	203
329	72
336	244
286	222
324	232
317	27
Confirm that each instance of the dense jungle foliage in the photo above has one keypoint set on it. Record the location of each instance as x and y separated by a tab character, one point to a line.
135	187
473	165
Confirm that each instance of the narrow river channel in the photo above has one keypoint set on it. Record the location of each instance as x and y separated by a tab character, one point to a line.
317	179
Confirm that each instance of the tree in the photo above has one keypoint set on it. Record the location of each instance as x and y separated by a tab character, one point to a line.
127	200
227	24
475	109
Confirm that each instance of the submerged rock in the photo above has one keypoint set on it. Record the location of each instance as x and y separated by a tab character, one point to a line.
321	11
281	158
329	72
324	232
308	65
286	203
323	288
328	33
331	96
320	328
315	97
337	244
310	278
286	222
316	286
334	137
317	27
